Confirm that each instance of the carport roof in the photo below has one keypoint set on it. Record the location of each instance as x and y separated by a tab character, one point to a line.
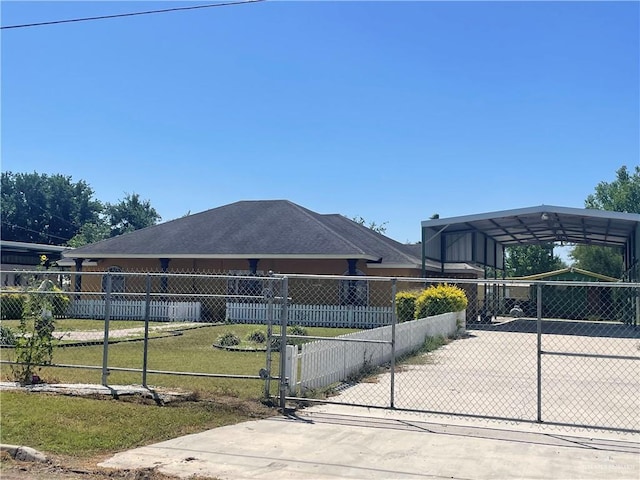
545	223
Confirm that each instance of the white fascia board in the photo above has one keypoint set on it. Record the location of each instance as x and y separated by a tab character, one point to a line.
393	265
243	256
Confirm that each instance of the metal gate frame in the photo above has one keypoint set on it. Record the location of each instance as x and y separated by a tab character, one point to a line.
540	353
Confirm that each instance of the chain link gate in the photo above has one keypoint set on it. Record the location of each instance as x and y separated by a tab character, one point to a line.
552	352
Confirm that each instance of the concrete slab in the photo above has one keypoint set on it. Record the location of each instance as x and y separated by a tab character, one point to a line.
330	441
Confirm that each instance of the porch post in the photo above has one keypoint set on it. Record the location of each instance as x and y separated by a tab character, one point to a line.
164	281
253	265
78	277
352	296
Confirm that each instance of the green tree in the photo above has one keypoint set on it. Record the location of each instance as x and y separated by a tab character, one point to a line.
620	195
90	233
43	208
379	228
602	260
523	260
131	214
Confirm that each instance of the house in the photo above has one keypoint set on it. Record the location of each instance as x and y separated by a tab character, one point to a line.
25	256
257	237
248	239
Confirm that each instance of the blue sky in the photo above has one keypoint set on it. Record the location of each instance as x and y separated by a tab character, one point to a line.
391	111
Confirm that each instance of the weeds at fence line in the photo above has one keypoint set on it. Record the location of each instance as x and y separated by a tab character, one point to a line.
34	341
367	370
421	355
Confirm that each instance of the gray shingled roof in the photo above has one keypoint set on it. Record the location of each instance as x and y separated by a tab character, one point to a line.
254	229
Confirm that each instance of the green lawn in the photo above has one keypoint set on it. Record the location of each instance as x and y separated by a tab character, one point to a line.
89	426
84	427
192	351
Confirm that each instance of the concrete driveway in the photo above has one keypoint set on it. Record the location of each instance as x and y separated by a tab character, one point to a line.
340	442
494	373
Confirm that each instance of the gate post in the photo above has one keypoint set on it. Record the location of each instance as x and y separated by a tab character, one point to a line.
268	294
283	342
539	353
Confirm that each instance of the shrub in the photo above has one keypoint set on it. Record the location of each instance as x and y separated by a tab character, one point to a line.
7	337
257	336
406	305
60	303
12	306
296	330
228	339
440	299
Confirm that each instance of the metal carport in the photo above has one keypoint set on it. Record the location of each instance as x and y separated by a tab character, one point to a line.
482	238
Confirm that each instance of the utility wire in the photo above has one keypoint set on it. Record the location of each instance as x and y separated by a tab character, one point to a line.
132	14
13	225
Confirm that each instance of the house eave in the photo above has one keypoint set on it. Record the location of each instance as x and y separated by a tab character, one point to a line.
243	256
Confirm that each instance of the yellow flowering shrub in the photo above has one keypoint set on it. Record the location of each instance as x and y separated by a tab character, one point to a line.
439	299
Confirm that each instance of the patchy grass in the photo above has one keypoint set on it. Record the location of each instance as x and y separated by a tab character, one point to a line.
421	356
84	427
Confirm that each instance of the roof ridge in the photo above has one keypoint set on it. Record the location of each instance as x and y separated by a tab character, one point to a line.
311	215
388	240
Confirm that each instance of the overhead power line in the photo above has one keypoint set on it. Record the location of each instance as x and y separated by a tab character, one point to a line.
50	235
132	14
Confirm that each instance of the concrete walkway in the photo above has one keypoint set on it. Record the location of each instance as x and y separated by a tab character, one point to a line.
339	442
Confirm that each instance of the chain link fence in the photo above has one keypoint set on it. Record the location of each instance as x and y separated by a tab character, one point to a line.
544	351
119	328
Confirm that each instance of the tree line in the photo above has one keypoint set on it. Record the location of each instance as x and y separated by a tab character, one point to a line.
55	210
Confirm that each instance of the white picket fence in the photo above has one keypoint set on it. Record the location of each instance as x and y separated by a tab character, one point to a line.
325	362
135	310
339	316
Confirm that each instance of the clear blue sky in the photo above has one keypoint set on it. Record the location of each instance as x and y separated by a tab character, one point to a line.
392	111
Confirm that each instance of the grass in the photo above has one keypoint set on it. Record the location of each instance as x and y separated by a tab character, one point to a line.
84	427
88	426
421	356
192	351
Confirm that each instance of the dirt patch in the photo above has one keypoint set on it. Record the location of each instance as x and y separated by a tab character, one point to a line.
63	468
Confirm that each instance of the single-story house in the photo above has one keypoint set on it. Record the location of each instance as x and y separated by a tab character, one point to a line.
261	236
20	256
254	238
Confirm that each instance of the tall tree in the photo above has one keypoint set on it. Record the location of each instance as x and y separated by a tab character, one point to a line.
620	195
131	214
41	208
526	260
